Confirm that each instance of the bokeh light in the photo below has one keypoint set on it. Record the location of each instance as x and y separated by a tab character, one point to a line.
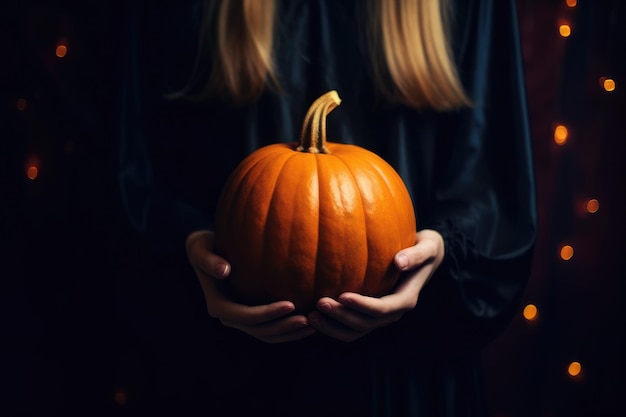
608	84
593	205
565	30
61	50
530	312
32	172
567	252
560	135
571	3
574	368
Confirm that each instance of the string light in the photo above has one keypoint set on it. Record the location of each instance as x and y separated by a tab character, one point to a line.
31	166
593	205
567	252
574	369
565	30
608	84
61	50
571	3
32	172
560	135
530	312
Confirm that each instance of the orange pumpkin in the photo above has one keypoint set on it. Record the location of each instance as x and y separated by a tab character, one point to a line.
302	221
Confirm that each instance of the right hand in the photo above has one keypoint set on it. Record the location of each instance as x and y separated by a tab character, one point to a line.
271	323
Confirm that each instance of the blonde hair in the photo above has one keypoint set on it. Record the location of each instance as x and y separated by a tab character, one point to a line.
410	52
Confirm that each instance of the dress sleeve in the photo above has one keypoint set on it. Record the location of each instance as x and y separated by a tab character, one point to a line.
484	196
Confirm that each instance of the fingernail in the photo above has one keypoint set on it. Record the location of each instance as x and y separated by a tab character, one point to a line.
402	261
222	269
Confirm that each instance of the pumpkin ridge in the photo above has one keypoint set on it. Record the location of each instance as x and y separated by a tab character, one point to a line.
365	217
249	203
243	170
275	286
317	281
392	179
395	182
371	278
268	244
336	241
244	174
235	183
404	210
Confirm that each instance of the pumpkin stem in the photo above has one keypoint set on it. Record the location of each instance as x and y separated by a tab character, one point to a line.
313	134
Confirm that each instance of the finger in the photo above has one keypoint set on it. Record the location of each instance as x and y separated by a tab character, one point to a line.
283	330
227	310
422	252
213	265
372	306
256	315
200	252
221	307
360	320
403	299
333	328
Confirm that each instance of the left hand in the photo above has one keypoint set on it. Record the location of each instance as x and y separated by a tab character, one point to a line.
352	315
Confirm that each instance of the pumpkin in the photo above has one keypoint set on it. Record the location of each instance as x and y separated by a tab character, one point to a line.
299	221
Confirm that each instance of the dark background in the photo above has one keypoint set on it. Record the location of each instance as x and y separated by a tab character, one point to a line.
72	350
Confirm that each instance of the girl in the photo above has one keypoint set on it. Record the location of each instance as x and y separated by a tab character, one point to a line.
437	90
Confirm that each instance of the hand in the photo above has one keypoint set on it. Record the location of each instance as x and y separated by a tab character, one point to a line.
272	323
352	315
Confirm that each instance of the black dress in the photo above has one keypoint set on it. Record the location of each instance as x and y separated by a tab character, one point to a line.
469	172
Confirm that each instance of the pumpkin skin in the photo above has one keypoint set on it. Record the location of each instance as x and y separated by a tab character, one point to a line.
299	225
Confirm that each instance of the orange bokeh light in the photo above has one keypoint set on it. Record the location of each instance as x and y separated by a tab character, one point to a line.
61	50
571	3
565	30
593	205
608	84
574	368
560	135
567	252
530	312
32	172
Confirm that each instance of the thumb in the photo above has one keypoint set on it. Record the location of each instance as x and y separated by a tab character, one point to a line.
200	253
429	248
